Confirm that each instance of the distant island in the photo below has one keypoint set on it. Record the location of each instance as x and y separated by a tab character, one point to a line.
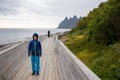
69	23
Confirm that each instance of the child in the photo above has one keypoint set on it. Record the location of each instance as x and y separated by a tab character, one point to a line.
35	50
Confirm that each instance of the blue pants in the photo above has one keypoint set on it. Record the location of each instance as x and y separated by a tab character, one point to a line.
35	60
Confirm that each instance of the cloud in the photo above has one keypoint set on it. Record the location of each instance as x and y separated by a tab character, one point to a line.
10	6
71	7
43	12
48	7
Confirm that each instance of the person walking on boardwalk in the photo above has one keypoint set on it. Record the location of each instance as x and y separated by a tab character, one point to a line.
48	33
35	50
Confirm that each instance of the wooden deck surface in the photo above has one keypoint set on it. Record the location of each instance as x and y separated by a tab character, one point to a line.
55	64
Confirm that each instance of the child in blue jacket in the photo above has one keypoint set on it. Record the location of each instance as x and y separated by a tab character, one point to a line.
35	50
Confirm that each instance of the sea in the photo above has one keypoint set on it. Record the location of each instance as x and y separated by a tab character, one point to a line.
15	35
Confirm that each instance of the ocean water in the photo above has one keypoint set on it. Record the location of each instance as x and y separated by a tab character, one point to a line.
16	35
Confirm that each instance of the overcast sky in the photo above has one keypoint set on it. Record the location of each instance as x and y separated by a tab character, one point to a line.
42	13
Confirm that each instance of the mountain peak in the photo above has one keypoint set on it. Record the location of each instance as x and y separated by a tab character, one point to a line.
66	18
68	23
75	17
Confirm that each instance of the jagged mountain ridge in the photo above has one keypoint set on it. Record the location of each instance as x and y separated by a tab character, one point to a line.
69	23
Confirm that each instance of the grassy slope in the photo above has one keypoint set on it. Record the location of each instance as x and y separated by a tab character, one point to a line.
96	40
103	60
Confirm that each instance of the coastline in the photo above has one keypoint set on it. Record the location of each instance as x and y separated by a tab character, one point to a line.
14	35
8	45
41	38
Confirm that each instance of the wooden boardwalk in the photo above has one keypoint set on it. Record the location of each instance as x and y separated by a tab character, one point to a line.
56	64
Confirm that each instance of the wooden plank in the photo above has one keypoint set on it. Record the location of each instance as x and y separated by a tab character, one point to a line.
20	72
6	50
57	76
43	66
12	62
57	63
50	72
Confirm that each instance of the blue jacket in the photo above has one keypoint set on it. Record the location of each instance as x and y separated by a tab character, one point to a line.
31	50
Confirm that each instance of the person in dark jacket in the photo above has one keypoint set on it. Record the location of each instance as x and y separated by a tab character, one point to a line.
48	33
35	50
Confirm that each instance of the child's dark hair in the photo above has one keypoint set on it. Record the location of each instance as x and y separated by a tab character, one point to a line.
35	34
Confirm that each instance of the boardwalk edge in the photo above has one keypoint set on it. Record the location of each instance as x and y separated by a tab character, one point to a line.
87	72
3	51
